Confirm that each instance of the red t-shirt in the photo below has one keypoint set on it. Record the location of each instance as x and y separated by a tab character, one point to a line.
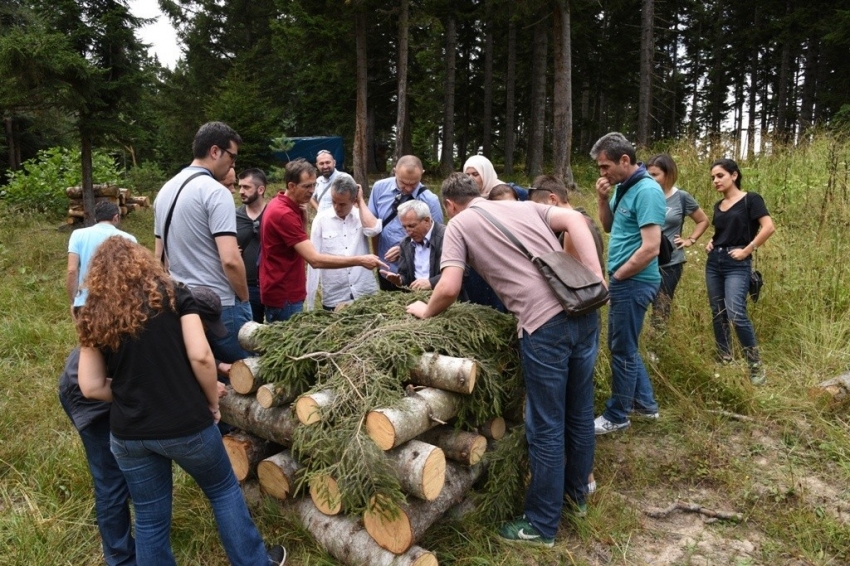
283	273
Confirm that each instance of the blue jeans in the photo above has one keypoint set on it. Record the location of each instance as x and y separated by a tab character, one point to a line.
728	281
258	311
630	385
147	466
557	363
274	314
670	276
227	349
111	496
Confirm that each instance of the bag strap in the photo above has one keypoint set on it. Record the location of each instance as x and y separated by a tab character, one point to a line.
492	219
750	227
324	192
393	213
620	195
171	213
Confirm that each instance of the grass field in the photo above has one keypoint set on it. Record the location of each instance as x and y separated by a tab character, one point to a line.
774	454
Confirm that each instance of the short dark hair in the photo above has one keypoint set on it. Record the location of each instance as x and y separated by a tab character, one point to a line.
256	174
730	166
297	167
344	184
667	165
502	189
614	145
459	188
105	210
551	184
211	134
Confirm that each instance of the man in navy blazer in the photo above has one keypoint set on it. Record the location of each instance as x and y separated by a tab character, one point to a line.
419	263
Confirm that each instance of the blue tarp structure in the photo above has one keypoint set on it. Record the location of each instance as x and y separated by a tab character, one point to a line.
309	147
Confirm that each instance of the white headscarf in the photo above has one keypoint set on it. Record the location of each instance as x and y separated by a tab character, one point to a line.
485	170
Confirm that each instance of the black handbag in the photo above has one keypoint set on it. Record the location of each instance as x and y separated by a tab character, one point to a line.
577	288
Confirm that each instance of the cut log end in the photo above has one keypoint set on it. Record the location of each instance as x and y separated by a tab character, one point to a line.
380	429
325	493
247	336
477	450
307	410
434	475
277	474
494	429
393	534
244	376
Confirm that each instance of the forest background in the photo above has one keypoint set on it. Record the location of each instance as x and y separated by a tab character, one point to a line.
765	82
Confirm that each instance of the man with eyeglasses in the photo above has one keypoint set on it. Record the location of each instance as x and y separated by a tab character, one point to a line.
326	164
419	263
285	247
252	189
387	195
195	229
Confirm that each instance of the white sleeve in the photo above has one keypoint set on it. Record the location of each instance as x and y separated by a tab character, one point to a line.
313	274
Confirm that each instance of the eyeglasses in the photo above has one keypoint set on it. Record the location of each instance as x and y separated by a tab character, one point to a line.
230	153
324	152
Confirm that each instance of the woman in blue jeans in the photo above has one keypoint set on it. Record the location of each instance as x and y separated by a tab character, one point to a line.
143	348
742	224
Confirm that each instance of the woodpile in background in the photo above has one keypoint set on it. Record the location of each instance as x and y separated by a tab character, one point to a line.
299	440
111	193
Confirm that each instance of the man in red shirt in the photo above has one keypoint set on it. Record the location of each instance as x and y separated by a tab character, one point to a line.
285	246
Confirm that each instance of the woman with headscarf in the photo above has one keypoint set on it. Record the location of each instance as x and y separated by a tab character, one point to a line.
482	172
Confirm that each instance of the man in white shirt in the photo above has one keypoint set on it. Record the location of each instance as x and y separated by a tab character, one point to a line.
342	230
326	164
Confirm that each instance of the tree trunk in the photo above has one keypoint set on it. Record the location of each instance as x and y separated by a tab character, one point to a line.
413	519
277	474
562	139
538	99
245	376
247	337
487	111
88	189
100	191
447	164
241	411
361	165
421	469
510	98
11	143
807	98
754	62
402	123
246	451
647	50
309	407
463	447
346	540
274	395
391	427
445	372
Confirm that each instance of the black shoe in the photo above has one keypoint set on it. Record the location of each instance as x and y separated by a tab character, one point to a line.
277	555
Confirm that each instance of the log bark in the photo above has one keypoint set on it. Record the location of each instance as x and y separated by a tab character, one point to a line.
392	427
247	337
421	469
245	376
276	424
345	539
446	373
277	474
325	494
494	429
838	388
100	190
309	407
463	447
400	533
143	202
246	451
274	395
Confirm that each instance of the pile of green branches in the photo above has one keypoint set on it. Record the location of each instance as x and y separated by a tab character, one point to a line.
364	354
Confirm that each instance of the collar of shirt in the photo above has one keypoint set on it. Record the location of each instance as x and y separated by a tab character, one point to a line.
426	241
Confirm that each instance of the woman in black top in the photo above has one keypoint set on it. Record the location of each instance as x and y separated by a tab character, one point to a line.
742	224
144	349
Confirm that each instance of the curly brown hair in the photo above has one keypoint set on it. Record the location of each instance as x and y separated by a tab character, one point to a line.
126	286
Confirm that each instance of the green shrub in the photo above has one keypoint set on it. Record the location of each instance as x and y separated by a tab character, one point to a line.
146	178
39	186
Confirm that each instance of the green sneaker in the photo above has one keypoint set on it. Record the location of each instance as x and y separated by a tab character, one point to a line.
757	374
574	510
520	530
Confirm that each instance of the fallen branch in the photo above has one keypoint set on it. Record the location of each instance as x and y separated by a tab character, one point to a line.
657	513
730	415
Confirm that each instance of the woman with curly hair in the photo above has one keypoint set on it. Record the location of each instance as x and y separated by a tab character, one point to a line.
144	349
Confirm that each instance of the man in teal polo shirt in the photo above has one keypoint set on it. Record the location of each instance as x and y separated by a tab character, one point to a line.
634	217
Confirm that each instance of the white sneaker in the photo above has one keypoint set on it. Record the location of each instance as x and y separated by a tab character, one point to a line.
603	426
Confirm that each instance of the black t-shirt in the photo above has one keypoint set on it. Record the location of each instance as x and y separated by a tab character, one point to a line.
740	224
154	391
248	238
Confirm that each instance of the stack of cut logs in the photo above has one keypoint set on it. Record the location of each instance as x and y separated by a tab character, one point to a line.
436	464
111	193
